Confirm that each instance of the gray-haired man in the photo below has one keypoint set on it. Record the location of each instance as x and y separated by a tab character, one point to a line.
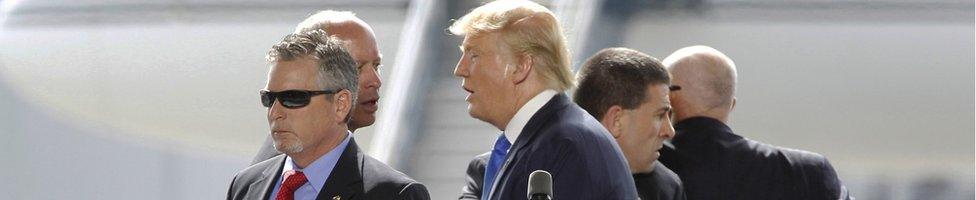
359	40
311	88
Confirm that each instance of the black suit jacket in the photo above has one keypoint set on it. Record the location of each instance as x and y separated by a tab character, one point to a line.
660	184
715	163
355	176
561	138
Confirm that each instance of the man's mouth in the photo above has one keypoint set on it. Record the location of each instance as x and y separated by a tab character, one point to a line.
467	89
370	104
658	148
278	132
467	98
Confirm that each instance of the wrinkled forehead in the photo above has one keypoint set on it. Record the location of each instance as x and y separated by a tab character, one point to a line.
484	42
298	73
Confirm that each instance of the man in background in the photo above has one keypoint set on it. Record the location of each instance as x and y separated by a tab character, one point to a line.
628	92
714	162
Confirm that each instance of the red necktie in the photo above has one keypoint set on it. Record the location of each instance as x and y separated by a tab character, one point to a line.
293	180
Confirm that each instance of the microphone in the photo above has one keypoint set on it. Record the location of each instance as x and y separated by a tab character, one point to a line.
540	185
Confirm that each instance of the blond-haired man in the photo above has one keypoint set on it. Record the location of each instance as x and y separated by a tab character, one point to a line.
515	67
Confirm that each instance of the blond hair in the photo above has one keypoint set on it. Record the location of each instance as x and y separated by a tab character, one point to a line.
526	28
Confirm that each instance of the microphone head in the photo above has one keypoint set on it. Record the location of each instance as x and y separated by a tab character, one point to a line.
540	183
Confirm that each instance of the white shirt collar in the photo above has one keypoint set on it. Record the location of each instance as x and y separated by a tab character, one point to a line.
521	118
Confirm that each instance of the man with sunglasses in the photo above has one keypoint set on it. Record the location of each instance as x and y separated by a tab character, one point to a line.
310	94
714	162
359	39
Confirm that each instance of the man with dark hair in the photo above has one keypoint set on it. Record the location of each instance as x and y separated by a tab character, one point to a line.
715	163
627	91
311	91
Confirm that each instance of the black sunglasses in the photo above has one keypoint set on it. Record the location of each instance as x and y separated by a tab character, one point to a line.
291	98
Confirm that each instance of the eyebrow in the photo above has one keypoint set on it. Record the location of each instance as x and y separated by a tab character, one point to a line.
377	62
665	109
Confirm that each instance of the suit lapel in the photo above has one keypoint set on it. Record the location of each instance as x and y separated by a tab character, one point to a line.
528	133
263	186
346	180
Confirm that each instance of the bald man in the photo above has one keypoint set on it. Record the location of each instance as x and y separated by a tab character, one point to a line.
359	40
715	163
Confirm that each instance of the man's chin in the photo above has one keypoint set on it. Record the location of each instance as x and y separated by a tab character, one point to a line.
475	114
362	121
287	148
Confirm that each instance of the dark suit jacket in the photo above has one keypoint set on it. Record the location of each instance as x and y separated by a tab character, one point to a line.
475	177
715	163
356	176
266	152
561	138
661	184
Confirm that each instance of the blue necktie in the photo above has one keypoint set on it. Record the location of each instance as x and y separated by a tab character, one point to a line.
495	164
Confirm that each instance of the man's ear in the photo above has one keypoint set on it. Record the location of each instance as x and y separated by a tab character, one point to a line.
733	104
611	120
343	104
523	67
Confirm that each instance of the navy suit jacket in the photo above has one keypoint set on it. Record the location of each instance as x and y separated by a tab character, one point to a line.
583	158
661	184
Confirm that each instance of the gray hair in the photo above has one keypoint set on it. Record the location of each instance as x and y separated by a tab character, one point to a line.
337	69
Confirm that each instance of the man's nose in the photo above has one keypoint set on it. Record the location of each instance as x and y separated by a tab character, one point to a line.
460	70
668	130
276	112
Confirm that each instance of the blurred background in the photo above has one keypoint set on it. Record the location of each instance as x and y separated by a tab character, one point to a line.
157	99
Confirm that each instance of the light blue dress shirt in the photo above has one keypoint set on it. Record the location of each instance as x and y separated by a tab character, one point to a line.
317	173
